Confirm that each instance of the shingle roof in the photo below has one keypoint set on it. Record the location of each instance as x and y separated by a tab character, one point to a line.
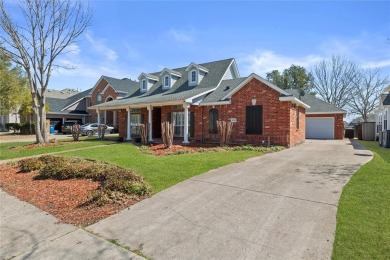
316	105
57	104
60	94
122	85
225	88
385	98
180	90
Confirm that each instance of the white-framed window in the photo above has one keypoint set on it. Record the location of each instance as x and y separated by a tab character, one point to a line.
143	84
99	98
135	121
166	81
193	76
178	119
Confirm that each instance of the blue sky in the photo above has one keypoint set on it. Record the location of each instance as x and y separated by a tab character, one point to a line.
130	37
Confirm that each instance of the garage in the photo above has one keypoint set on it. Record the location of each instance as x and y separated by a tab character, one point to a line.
320	127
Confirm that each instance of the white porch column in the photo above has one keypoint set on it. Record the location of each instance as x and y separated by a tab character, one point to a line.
150	109
128	124
98	116
114	119
186	106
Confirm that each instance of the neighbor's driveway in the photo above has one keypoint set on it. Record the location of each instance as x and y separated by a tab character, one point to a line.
278	206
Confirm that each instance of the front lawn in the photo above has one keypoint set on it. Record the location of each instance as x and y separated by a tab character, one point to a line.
162	172
363	217
21	149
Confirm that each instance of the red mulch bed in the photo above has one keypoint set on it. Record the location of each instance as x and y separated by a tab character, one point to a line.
159	150
65	199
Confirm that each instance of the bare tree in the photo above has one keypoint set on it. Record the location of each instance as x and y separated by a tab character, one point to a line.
49	27
333	80
367	87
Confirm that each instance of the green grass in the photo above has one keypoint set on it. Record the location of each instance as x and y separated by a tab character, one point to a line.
6	153
164	171
363	217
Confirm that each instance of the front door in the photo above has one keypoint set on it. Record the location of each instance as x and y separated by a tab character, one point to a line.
156	122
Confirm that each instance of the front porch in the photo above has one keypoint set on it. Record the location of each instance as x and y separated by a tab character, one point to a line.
130	118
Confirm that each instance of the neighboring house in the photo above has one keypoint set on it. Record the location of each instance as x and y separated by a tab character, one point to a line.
9	118
323	120
67	105
196	96
382	119
108	89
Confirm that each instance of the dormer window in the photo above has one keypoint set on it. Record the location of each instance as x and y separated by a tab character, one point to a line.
193	76
166	81
143	84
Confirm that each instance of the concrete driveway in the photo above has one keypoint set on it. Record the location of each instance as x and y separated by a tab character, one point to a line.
278	206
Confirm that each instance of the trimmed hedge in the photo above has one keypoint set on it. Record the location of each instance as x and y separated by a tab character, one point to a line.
22	128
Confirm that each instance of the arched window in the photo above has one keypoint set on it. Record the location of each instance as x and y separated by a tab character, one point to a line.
213	117
143	86
166	81
193	76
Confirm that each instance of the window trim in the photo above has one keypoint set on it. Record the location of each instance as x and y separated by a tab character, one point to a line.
196	76
143	84
166	85
99	98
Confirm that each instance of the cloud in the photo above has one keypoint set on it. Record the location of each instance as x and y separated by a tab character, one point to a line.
377	64
72	49
263	61
99	46
181	35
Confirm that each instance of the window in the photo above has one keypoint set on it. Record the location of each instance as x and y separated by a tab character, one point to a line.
297	112
135	120
178	119
385	121
166	81
254	120
193	76
143	86
99	98
213	117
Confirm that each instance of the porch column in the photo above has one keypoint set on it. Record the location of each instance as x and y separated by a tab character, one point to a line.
186	106
128	124
98	116
114	119
105	117
150	109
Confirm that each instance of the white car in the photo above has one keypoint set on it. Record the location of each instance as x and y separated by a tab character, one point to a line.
92	128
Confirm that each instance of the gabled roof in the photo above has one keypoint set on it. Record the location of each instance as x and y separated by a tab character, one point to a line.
172	72
148	76
121	85
223	90
317	106
180	91
56	104
199	67
385	99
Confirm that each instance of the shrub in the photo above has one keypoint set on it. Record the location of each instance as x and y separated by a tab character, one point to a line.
116	183
31	164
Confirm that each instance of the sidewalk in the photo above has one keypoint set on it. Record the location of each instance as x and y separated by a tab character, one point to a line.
28	232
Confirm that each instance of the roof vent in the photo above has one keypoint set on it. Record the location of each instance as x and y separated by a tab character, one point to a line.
124	78
227	88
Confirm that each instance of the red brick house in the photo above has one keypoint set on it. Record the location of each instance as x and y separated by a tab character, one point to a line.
196	96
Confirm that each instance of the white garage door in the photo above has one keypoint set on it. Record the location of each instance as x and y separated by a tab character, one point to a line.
320	127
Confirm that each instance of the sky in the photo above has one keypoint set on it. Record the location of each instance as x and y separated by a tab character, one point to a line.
127	38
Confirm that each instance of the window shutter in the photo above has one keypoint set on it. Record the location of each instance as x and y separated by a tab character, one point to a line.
142	119
169	117
213	117
254	120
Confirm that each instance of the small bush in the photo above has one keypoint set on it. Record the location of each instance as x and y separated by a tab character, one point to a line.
31	164
116	183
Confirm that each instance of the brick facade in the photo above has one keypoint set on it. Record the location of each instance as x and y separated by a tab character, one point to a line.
279	118
338	123
109	92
